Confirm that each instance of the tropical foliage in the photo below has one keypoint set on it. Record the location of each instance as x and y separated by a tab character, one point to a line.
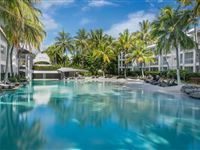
21	25
140	54
170	28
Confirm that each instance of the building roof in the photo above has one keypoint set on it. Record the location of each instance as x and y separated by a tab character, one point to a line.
64	69
42	57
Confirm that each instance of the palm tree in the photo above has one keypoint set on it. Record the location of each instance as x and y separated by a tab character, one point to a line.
104	52
21	24
194	21
54	54
62	46
81	45
64	42
194	3
144	32
140	54
124	44
170	29
96	37
81	42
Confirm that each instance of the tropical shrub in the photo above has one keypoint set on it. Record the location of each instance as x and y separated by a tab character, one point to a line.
12	79
184	74
153	73
42	62
47	68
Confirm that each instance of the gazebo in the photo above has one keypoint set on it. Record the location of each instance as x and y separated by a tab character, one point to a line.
64	71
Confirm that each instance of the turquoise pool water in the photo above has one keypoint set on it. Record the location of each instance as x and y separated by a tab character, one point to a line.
94	115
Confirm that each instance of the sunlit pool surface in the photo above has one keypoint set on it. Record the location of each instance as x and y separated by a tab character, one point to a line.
94	115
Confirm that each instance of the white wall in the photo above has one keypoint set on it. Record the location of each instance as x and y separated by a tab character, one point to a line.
171	59
3	53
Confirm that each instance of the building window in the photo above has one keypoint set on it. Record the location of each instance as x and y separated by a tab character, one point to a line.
189	58
129	64
181	58
165	68
154	69
165	62
3	52
2	68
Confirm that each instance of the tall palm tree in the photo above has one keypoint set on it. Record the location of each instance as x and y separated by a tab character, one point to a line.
124	44
194	3
54	54
194	21
140	54
81	45
21	24
104	52
64	42
96	37
63	45
81	41
170	29
144	32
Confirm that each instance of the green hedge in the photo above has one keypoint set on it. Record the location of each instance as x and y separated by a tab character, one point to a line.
46	68
184	74
17	78
42	62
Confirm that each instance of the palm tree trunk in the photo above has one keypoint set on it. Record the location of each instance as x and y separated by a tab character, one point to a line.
142	68
125	69
177	64
161	63
103	73
7	61
18	61
125	65
11	62
167	62
196	48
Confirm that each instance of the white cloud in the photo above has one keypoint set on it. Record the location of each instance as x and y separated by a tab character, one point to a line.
99	3
46	4
132	23
84	21
49	22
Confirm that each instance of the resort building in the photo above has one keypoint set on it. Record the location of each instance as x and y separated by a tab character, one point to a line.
42	60
188	58
43	69
3	53
21	59
26	62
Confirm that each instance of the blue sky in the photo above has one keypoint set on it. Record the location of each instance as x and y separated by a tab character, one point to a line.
113	16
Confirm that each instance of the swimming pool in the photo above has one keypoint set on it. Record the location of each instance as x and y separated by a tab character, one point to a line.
96	115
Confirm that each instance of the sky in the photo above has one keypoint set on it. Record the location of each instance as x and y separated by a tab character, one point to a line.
113	16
